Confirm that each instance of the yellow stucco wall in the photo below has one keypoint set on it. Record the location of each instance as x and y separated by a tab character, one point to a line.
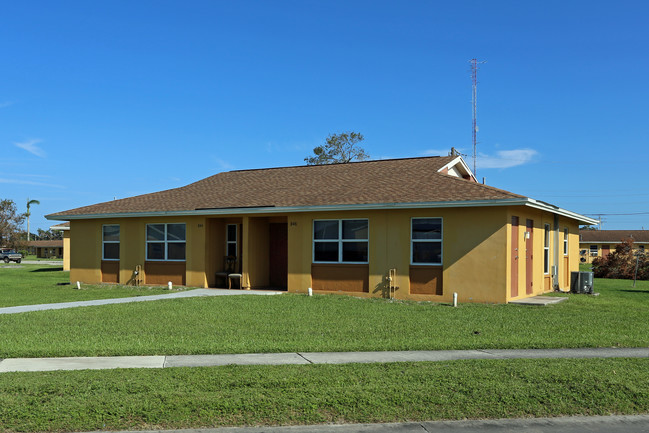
473	251
476	250
66	250
566	263
86	244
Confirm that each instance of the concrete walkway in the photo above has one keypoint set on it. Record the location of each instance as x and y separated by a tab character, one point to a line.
111	362
568	424
175	295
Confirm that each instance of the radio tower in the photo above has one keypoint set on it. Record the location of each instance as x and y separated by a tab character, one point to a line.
474	79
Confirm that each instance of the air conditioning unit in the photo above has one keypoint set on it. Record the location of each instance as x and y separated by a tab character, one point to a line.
581	282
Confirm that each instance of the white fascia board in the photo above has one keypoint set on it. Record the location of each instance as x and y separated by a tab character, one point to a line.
56	227
456	161
325	208
557	210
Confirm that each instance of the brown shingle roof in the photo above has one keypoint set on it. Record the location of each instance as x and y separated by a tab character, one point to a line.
410	180
613	236
46	244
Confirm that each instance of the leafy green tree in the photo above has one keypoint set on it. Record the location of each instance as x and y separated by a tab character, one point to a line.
339	148
49	235
10	223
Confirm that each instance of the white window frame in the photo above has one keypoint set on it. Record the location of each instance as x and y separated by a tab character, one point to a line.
546	248
109	242
228	241
166	242
440	241
565	241
340	240
593	253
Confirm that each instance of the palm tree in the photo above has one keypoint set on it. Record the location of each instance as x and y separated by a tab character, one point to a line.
28	213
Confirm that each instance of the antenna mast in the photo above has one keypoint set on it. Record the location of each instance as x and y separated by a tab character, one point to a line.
474	100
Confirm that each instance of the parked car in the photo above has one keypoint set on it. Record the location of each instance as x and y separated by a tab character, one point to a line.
8	255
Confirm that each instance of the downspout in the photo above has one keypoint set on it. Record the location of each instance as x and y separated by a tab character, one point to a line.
555	260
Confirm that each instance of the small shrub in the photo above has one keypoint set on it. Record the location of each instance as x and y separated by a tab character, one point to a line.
621	263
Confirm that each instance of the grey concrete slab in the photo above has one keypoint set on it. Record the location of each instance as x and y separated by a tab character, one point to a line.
594	352
539	300
171	295
43	262
576	424
96	363
238	359
46	364
395	356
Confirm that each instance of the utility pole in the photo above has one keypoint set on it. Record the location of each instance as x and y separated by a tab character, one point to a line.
474	80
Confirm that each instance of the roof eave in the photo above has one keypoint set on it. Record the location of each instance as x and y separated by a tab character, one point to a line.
559	211
322	208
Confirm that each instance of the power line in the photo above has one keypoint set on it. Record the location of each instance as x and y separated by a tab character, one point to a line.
617	214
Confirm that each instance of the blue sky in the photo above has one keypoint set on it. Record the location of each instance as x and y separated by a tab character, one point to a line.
113	99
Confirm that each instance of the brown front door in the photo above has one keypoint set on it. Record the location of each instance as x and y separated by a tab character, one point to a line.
529	257
514	253
606	250
278	255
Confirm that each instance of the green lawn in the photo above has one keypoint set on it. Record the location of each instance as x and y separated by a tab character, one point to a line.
360	393
283	395
22	284
289	323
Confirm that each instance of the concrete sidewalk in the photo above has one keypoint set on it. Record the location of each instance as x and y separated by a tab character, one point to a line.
173	295
111	362
568	424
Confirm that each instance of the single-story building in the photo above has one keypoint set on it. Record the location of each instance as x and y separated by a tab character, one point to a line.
46	249
599	243
65	229
413	228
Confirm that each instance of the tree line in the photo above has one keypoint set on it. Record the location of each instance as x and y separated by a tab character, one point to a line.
12	235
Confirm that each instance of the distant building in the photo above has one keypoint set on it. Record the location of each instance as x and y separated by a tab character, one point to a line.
599	243
46	249
65	228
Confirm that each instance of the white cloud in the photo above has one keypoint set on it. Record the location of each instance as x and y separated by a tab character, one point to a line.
5	104
223	165
29	182
30	146
506	158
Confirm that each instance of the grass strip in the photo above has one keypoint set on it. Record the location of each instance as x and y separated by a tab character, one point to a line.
286	395
22	284
291	323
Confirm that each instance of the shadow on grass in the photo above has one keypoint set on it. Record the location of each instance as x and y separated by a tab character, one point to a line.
634	291
48	269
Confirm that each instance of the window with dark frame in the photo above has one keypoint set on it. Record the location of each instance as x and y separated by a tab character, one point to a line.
426	241
110	242
593	250
341	241
565	241
231	240
166	242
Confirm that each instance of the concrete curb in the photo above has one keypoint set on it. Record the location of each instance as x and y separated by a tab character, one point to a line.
303	358
572	424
